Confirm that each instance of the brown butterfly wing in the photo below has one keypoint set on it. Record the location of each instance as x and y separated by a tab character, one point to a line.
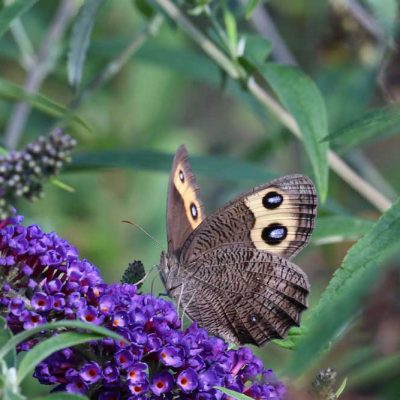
277	217
184	208
242	294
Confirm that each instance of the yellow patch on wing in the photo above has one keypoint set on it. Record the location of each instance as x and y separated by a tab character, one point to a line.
193	207
283	215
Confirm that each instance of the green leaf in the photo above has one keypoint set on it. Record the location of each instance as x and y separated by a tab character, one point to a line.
13	11
386	12
80	39
12	92
341	300
289	343
144	7
341	388
302	99
186	63
257	49
6	335
218	167
370	125
233	394
250	7
231	29
375	370
62	396
339	228
24	335
49	346
10	395
62	185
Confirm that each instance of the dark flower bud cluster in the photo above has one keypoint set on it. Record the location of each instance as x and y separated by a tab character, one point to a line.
42	280
22	173
324	384
134	274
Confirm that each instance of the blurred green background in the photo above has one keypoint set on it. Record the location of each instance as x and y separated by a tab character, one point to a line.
170	93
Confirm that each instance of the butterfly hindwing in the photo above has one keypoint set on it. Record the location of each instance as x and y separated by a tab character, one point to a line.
184	207
243	294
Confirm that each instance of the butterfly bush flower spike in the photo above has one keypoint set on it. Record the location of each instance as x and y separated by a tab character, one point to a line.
22	173
43	279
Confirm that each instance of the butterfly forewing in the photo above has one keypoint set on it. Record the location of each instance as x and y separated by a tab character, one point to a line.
184	207
277	217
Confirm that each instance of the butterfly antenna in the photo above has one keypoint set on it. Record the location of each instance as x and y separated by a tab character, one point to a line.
143	230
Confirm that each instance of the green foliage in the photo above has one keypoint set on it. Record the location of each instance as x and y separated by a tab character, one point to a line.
8	357
339	228
12	375
22	336
80	39
12	92
172	89
251	6
233	394
373	124
342	298
302	99
49	346
9	13
257	49
386	12
218	167
62	396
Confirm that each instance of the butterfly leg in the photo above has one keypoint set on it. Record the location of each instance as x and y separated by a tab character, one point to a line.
186	307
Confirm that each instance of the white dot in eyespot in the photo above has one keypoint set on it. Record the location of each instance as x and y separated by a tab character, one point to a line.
193	211
181	176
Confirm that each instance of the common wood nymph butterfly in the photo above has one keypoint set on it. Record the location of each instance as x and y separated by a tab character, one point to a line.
230	272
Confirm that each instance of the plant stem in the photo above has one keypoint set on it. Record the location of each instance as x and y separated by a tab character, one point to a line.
43	65
335	162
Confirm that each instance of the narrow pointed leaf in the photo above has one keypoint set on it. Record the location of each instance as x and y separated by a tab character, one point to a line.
342	299
62	396
12	92
80	39
250	8
24	335
49	346
9	13
5	336
231	28
303	100
369	126
339	228
233	394
219	167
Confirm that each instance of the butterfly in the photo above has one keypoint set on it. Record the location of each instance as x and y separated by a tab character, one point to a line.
231	271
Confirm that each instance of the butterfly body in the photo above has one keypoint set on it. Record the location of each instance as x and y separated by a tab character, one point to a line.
231	272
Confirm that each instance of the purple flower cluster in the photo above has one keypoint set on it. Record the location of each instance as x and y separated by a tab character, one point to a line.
42	279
